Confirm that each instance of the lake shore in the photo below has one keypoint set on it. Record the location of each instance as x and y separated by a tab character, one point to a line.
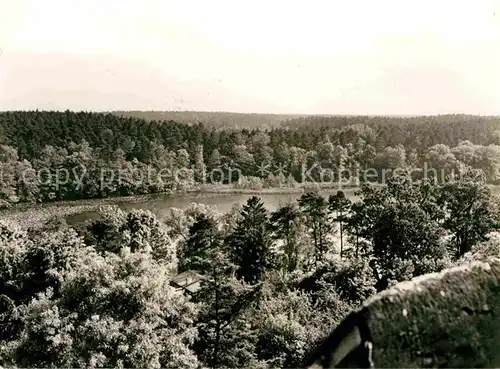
30	215
199	190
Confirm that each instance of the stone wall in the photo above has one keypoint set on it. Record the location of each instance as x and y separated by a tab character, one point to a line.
449	319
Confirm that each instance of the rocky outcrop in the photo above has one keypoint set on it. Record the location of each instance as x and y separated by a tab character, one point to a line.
449	319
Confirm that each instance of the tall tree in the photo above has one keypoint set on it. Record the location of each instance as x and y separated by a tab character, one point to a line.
250	242
284	223
340	205
222	298
8	175
470	212
199	249
200	167
315	208
400	222
203	252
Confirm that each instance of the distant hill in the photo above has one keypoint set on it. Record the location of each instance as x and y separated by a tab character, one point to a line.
227	120
231	120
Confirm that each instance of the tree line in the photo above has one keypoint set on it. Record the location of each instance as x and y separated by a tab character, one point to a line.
99	294
219	119
88	150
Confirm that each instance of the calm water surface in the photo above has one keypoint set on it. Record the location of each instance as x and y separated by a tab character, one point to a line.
161	205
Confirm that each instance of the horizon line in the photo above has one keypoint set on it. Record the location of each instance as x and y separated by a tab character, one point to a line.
251	113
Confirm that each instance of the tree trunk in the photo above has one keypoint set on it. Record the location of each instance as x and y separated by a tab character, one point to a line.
321	240
217	321
341	242
357	242
315	236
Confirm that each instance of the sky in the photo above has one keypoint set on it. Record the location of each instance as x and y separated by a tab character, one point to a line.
269	56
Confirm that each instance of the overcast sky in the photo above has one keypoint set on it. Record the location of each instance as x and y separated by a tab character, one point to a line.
310	56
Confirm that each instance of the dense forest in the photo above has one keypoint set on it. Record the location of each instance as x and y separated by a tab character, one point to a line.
270	285
220	120
48	156
273	284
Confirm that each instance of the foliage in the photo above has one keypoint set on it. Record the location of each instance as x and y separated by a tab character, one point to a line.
138	230
285	224
102	296
469	214
339	204
291	323
400	221
315	209
69	304
250	242
47	156
113	310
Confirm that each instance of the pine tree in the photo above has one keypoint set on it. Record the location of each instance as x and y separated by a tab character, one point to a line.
222	298
284	223
198	251
315	208
339	204
250	242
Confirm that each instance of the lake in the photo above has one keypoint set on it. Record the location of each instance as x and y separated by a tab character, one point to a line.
161	205
80	211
